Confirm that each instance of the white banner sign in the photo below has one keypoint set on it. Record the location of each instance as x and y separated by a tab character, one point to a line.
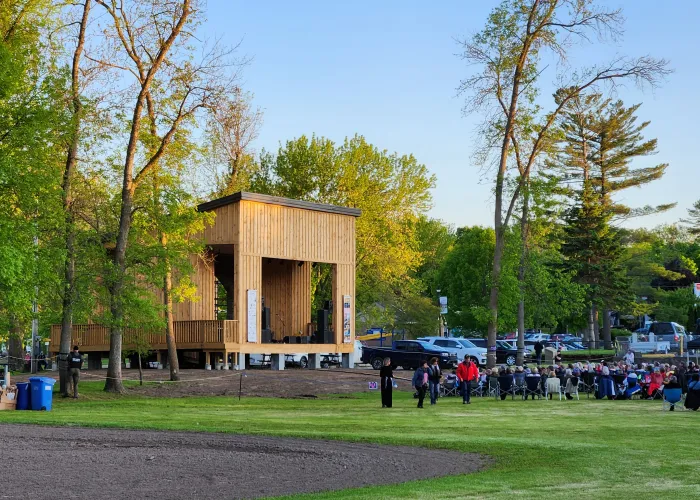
252	315
443	305
347	315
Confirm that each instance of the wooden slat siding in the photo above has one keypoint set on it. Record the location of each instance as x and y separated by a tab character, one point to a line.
203	308
300	295
188	335
224	230
310	236
286	287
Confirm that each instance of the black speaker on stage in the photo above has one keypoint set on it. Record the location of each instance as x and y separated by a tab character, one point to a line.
322	321
267	336
266	318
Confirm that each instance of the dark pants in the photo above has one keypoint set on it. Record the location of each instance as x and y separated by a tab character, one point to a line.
386	392
74	379
539	358
466	388
434	391
421	395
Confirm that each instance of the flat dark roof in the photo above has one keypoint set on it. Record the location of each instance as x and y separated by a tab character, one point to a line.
278	200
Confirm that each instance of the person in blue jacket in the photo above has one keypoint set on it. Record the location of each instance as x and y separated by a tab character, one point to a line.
420	382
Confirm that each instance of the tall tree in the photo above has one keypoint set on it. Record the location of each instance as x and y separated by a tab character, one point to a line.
510	50
601	140
233	126
76	110
152	42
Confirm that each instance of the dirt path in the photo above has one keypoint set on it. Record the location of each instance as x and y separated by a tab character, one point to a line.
79	463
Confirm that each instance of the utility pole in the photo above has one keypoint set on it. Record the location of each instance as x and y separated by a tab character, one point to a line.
35	316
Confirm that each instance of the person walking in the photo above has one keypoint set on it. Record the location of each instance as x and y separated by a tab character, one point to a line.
467	372
539	347
420	382
75	363
386	375
434	375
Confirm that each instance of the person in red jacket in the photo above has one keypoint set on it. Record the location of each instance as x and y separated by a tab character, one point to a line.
467	372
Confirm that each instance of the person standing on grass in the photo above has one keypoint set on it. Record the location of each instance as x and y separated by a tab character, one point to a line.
467	372
539	347
75	363
386	375
420	382
434	375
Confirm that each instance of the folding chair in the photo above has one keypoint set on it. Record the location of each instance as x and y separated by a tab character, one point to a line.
478	389
620	382
450	387
493	386
672	398
588	383
553	386
519	382
532	387
506	386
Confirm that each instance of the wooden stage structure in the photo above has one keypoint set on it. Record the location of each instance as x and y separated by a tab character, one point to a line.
260	248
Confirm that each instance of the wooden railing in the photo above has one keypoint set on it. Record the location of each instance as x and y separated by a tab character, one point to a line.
188	334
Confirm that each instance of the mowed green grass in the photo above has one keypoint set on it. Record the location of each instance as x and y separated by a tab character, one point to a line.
541	449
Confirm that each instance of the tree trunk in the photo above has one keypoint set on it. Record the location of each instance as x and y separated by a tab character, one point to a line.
140	370
493	298
596	327
607	335
16	345
170	325
71	162
520	358
114	370
591	328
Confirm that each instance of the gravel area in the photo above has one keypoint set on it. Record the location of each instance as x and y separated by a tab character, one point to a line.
80	463
289	383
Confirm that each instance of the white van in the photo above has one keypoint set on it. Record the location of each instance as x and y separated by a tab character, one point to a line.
460	347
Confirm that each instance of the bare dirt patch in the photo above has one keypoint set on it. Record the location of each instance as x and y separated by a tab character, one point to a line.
80	463
289	383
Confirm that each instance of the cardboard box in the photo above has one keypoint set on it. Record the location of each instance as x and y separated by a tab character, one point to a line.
8	398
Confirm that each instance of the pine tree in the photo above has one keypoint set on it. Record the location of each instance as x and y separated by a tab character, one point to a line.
592	249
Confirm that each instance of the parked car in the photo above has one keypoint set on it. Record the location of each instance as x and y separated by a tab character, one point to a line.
408	354
505	351
460	347
543	337
564	337
668	331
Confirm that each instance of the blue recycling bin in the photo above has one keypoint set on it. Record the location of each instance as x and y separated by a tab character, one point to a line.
42	392
23	398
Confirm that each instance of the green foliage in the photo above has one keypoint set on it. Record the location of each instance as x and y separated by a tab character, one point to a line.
32	125
693	220
391	190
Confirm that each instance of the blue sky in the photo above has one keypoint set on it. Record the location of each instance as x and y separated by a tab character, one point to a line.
388	70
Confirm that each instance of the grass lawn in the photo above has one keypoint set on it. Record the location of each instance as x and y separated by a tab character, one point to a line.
542	449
